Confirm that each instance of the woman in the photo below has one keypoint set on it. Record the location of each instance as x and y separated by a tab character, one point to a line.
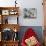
30	38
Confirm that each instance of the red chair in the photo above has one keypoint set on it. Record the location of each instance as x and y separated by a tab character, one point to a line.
29	33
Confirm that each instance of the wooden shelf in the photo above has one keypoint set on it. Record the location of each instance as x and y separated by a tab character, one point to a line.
9	43
5	8
10	26
5	24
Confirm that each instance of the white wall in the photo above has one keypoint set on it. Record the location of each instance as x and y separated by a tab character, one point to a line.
27	4
7	3
32	4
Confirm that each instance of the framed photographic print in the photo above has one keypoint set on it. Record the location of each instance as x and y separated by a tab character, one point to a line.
5	12
30	12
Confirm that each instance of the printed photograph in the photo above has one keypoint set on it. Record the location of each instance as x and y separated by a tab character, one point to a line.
30	12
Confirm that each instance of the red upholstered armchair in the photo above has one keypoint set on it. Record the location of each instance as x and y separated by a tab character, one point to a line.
30	38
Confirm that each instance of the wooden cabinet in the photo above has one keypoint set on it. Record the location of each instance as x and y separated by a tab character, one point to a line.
9	23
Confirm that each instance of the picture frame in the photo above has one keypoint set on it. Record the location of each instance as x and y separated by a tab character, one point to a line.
12	12
30	12
5	12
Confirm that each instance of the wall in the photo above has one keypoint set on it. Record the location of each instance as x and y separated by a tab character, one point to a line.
6	3
27	4
32	4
